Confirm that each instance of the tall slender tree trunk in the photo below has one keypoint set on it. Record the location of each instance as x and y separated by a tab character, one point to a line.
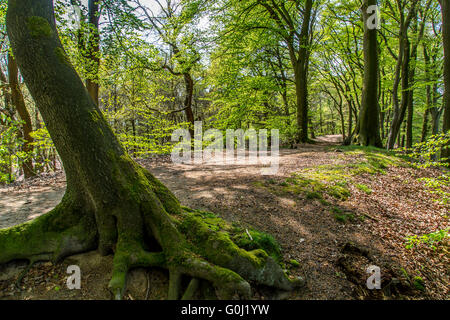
27	127
6	95
401	71
301	74
369	130
410	103
445	8
429	99
412	73
189	84
399	113
426	116
301	91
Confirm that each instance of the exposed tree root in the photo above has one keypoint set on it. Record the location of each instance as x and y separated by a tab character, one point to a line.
192	244
174	285
64	231
32	261
192	288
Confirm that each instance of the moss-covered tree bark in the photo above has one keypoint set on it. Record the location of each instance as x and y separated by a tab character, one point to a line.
112	204
369	130
93	50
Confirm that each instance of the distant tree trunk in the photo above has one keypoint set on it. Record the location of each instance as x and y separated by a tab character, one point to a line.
27	127
369	130
445	7
350	120
426	116
189	83
401	71
341	116
8	110
93	50
429	100
419	30
410	107
111	203
399	113
313	133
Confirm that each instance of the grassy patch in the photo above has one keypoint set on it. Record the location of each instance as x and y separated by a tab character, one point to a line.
432	240
335	180
364	188
344	217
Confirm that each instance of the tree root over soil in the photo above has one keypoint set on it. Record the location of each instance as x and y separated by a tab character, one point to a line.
188	242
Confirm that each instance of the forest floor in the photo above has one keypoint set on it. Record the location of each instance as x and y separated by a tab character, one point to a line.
334	210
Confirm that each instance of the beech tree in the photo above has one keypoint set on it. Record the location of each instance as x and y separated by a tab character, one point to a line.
402	70
111	203
292	22
369	131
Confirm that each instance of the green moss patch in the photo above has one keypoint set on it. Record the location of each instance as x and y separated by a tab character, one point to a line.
364	188
344	217
213	227
260	240
294	263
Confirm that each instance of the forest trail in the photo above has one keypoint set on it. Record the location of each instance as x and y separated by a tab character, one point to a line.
27	200
311	230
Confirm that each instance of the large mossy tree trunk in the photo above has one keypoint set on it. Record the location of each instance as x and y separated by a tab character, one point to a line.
112	204
369	130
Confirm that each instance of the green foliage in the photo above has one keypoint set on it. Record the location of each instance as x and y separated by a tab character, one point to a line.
426	155
364	188
11	154
432	240
418	283
45	151
439	186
